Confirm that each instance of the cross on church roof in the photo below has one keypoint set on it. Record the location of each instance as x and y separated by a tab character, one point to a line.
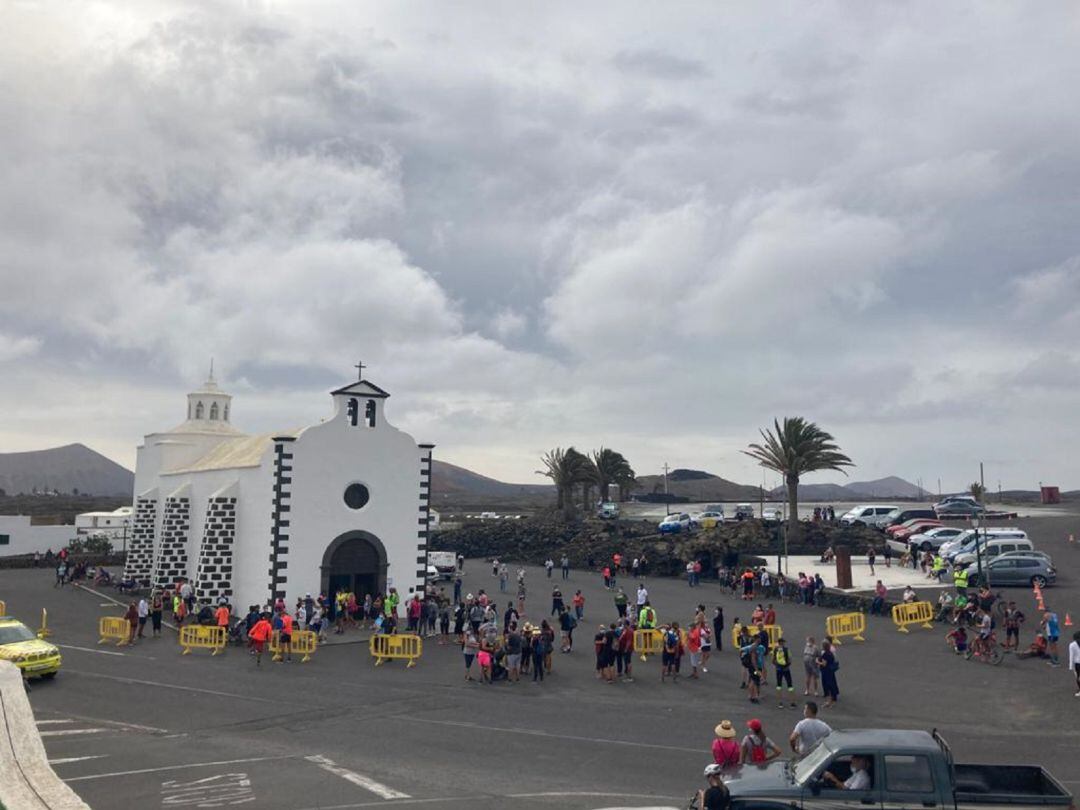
360	371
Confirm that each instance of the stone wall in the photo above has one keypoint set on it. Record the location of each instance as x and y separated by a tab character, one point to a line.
214	575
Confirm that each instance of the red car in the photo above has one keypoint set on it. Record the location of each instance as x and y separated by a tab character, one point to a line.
910	527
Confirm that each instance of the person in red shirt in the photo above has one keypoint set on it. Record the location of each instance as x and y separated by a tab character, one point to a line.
222	616
259	633
285	636
770	615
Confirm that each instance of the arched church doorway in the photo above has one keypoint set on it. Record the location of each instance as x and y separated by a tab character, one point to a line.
355	561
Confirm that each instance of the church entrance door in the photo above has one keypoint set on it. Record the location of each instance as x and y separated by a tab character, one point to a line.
354	561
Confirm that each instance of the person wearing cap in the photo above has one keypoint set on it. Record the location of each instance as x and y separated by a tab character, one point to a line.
716	796
756	747
726	752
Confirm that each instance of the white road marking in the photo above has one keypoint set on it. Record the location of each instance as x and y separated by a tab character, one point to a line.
66	760
173	768
89	649
536	733
211	791
52	722
162	684
64	732
378	788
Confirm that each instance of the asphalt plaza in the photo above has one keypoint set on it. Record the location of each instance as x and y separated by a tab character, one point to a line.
147	727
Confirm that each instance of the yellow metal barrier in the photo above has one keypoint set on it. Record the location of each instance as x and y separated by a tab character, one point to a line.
44	632
914	613
114	628
648	642
303	643
202	636
405	645
845	624
775	631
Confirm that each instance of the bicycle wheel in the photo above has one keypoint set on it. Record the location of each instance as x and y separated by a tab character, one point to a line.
996	656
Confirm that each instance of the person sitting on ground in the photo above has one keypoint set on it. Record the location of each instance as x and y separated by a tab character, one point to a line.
103	577
909	595
828	555
958	640
960	604
945	607
1037	648
859	779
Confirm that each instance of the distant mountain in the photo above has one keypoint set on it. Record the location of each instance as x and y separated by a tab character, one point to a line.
879	489
65	469
890	487
697	485
448	481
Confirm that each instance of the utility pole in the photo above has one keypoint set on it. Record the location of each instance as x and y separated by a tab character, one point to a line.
982	481
667	502
939	489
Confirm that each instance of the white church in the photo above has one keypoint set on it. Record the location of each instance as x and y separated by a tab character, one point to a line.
344	503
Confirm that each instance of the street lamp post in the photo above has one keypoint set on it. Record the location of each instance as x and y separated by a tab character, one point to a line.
978	552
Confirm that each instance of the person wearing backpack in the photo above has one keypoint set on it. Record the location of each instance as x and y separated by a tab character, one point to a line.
756	746
726	752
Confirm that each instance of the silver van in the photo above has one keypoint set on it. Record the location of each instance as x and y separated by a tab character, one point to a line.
876	515
993	547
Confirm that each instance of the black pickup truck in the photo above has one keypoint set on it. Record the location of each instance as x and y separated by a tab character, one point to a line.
904	769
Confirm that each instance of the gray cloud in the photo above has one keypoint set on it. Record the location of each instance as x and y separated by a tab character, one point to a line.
566	225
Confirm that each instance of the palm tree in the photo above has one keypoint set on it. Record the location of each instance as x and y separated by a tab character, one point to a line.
795	448
612	468
566	469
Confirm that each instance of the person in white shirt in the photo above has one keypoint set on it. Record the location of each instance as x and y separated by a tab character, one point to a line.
808	730
909	595
642	597
144	612
859	779
1074	660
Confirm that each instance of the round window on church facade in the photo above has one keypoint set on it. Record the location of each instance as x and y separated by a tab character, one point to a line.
356	496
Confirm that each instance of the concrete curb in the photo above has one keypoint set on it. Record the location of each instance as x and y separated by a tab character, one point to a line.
28	782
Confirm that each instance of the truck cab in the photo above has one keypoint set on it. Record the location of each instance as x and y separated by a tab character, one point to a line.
904	769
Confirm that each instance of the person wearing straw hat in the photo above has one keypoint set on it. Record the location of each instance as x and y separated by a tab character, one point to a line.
725	750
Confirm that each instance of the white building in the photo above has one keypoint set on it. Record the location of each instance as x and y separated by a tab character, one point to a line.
113	525
19	536
255	517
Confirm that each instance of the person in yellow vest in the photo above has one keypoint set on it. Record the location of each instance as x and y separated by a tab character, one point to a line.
781	657
960	581
938	567
646	617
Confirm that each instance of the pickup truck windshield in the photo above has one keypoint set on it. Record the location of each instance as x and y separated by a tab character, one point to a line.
806	766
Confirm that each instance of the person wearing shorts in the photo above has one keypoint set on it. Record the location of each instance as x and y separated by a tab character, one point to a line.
258	635
513	654
469	649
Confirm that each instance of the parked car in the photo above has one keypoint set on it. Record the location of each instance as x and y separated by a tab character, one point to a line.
992	547
772	516
876	515
19	645
905	769
707	520
904	515
965	541
955	499
931	539
910	527
675	523
1015	570
609	510
960	509
1032	553
744	511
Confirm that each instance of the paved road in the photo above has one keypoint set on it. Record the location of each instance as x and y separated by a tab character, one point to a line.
146	727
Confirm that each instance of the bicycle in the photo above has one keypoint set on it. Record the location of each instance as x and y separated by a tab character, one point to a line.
987	650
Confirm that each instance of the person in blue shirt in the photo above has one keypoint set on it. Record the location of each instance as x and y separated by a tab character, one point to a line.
1052	629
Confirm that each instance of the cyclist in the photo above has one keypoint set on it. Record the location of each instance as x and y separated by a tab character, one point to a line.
986	629
716	796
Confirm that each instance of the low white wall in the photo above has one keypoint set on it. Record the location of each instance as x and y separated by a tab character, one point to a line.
27	783
26	539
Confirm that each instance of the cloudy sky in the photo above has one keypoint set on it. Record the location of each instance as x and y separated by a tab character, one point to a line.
649	226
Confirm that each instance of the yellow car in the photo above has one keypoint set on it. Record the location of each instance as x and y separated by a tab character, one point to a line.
19	645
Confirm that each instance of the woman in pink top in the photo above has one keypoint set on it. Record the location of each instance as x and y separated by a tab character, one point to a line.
725	750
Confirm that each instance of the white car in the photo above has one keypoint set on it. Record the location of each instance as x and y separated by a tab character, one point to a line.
707	519
930	540
772	515
876	515
965	541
